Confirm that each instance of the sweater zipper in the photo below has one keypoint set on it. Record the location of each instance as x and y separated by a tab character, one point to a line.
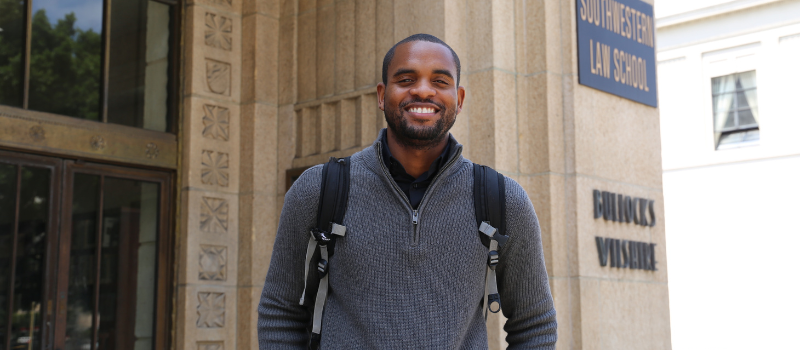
429	190
414	215
415	212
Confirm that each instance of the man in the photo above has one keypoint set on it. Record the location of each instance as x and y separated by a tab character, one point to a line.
409	274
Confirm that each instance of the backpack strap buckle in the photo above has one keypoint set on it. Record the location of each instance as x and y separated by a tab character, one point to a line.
321	237
494	259
322	267
492	233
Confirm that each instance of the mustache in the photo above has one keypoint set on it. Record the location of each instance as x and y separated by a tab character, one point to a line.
403	105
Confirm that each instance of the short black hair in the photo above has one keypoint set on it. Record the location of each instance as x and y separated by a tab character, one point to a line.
419	37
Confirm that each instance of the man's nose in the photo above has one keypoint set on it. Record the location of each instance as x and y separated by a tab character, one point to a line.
423	90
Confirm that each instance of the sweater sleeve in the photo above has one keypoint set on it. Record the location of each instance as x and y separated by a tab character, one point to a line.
282	321
522	277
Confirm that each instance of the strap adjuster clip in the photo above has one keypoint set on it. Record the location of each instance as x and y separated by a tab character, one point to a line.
492	233
322	267
494	259
487	229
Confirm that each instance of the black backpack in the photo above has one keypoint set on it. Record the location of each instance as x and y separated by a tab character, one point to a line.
490	207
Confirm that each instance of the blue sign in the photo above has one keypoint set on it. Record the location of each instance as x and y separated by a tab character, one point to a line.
616	48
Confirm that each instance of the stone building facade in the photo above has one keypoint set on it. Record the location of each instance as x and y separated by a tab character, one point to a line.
267	88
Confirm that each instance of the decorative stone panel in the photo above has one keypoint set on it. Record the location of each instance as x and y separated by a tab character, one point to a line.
216	122
212	263
210	310
214	168
218	31
214	215
210	346
218	77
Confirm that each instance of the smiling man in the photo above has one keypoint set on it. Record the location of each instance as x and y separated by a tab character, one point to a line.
410	272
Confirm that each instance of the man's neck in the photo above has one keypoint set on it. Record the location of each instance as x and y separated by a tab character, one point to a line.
415	161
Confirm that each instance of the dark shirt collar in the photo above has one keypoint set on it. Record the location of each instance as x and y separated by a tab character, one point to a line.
397	170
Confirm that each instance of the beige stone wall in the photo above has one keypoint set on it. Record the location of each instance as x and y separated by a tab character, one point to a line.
286	84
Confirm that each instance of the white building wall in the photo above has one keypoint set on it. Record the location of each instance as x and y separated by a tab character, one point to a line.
732	216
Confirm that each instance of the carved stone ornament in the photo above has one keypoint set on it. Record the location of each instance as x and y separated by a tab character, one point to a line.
152	151
36	133
214	215
218	77
209	346
214	169
218	31
98	143
211	310
216	122
212	263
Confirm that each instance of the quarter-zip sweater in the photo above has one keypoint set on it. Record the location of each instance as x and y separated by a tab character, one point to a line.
403	278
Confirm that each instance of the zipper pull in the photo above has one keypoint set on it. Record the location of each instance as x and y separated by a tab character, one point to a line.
415	218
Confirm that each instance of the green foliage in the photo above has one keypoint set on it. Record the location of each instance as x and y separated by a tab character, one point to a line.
12	36
65	63
65	68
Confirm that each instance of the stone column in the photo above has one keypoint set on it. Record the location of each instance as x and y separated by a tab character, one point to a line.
259	160
573	139
208	228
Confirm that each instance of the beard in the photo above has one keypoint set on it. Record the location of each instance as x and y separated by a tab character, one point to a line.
416	136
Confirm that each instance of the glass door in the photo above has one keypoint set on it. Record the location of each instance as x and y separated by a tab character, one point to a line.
114	255
84	255
28	191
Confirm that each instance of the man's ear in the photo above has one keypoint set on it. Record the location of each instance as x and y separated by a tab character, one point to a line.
461	94
381	90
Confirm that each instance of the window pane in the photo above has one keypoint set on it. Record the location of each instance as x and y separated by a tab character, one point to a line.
746	118
8	198
127	273
752	135
722	84
12	46
731	138
31	258
746	99
724	121
746	80
66	57
82	267
723	103
750	97
138	72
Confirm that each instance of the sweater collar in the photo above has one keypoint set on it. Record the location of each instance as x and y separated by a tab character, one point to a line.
374	158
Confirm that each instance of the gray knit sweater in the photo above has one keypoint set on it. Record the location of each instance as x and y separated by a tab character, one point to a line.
397	286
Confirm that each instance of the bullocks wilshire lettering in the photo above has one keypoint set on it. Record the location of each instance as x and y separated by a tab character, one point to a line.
625	254
619	208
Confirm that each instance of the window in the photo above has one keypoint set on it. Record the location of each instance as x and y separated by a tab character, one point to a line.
102	60
735	104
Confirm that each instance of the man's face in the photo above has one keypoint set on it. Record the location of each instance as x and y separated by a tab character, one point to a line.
421	97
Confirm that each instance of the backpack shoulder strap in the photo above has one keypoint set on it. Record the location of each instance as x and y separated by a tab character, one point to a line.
333	197
334	192
490	213
489	191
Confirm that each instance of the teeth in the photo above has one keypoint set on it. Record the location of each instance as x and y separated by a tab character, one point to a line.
421	110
